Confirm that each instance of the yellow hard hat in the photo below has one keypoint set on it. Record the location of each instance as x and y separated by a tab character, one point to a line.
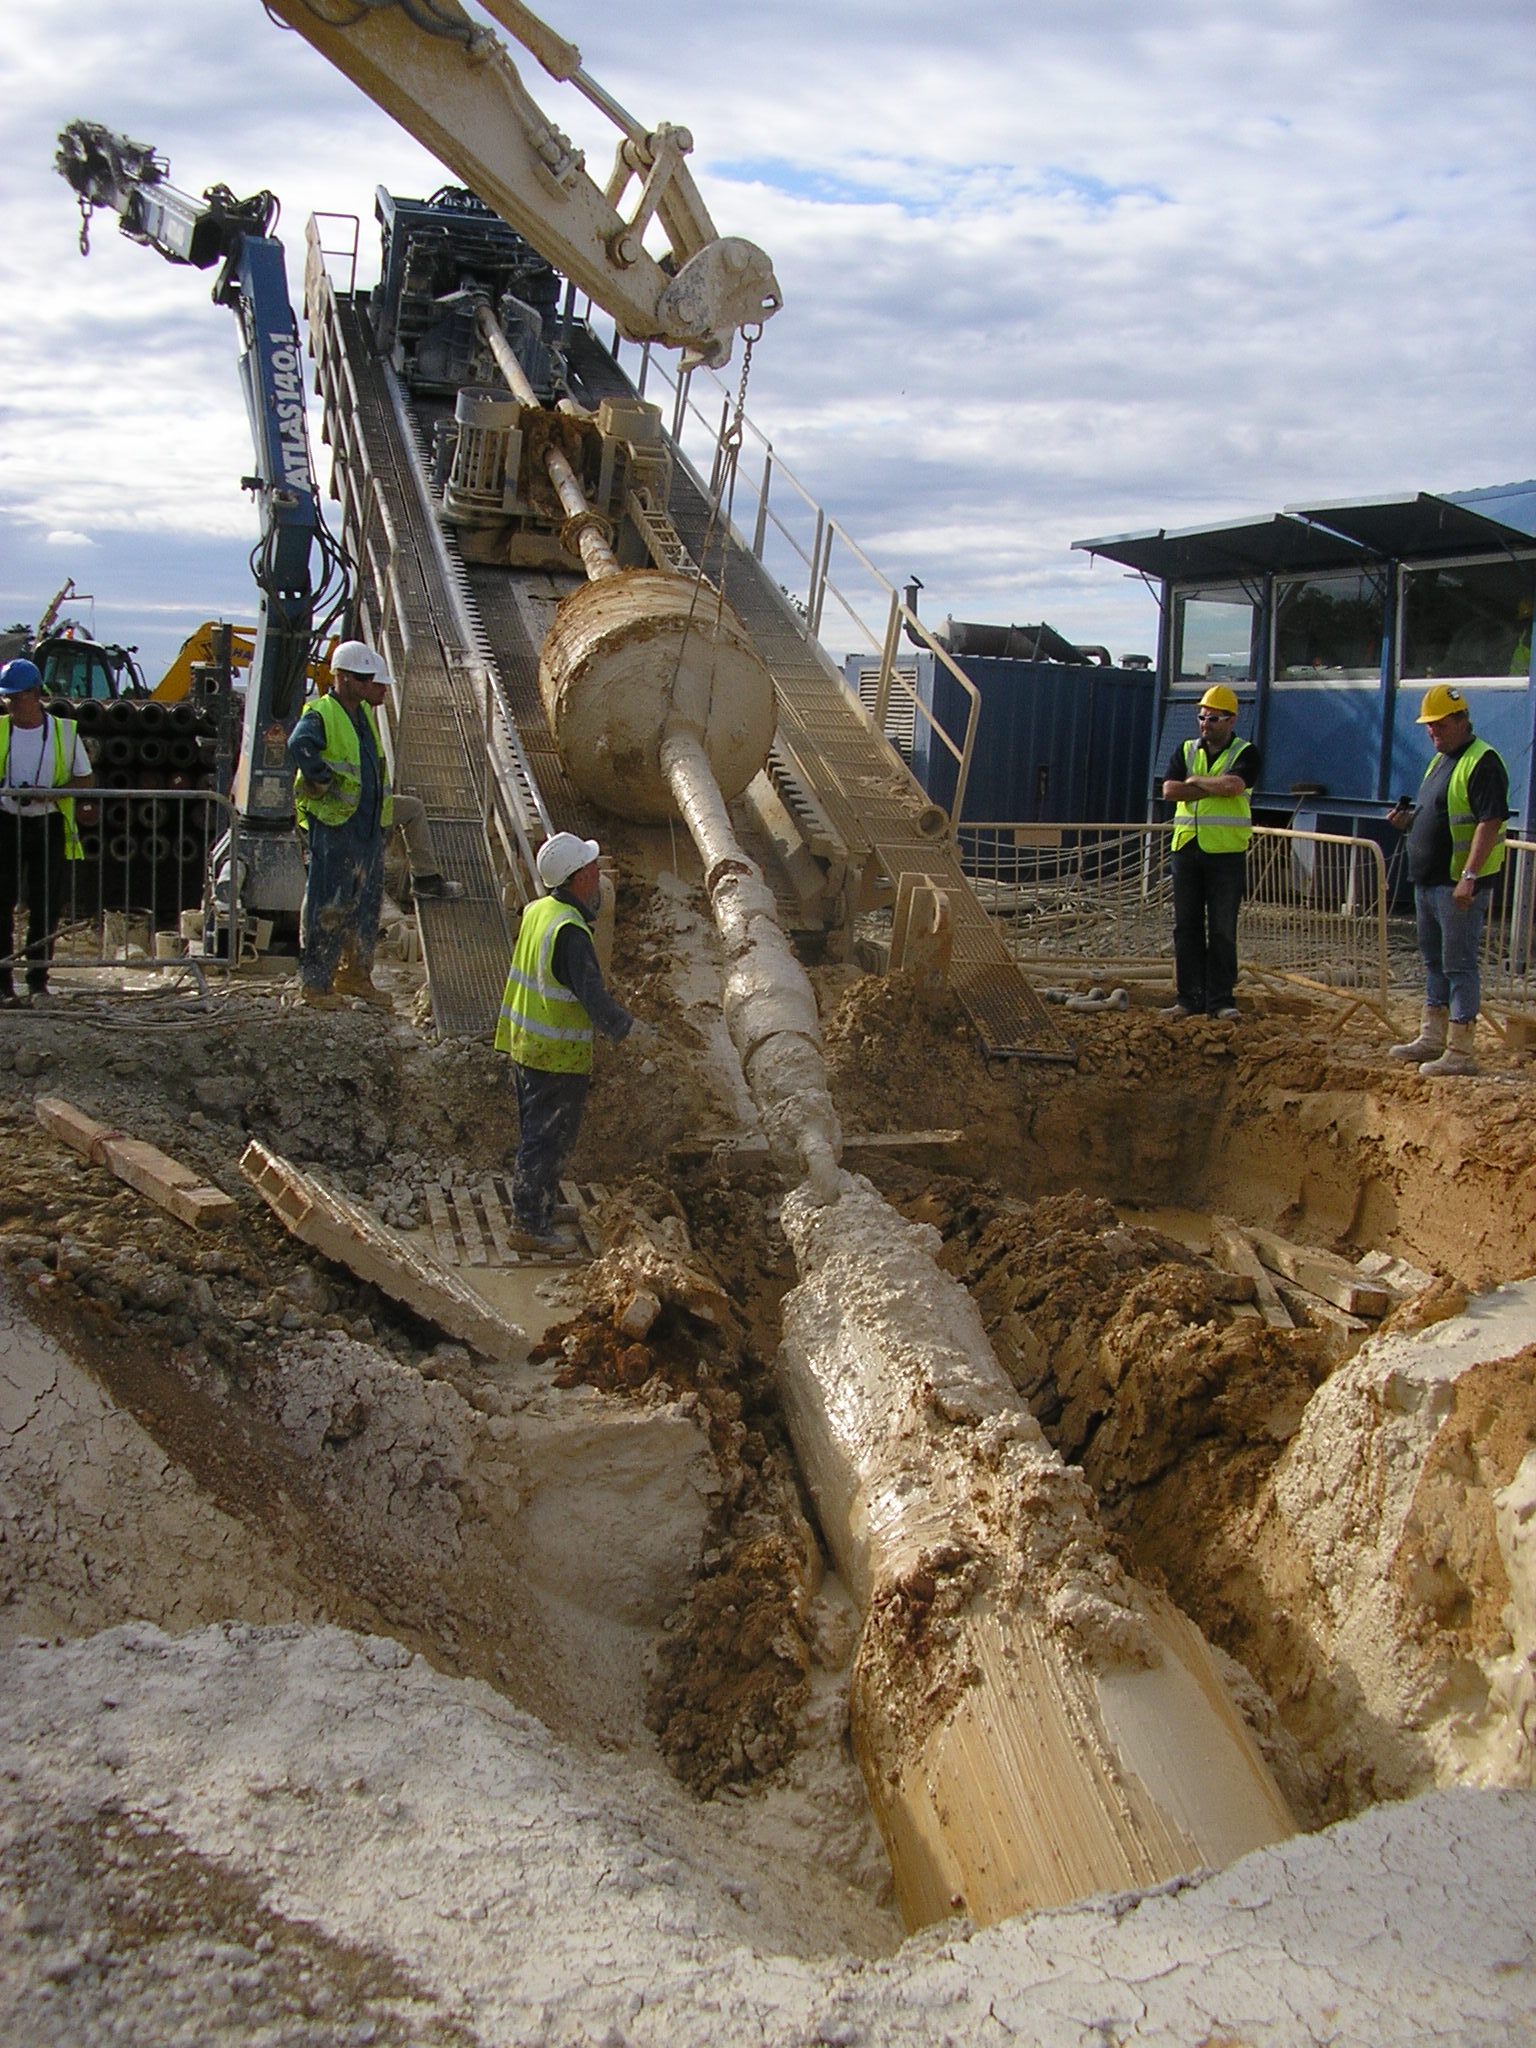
1219	698
1441	700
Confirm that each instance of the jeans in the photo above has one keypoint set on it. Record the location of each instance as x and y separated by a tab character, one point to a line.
1207	894
1450	940
33	869
343	896
549	1108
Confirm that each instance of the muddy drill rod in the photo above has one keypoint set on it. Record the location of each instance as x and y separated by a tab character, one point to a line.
1032	1725
589	530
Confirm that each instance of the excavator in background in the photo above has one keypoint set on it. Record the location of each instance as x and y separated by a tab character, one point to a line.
74	663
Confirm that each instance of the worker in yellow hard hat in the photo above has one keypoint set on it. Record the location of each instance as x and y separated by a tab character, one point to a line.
1208	779
1455	848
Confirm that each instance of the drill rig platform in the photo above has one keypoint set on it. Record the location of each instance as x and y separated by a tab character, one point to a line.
459	579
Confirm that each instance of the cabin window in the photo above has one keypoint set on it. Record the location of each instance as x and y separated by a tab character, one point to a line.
1329	628
1214	634
1468	619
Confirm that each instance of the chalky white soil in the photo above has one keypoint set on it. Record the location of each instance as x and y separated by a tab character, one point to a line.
324	1648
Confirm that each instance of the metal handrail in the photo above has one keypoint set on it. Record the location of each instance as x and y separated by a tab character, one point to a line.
1508	963
894	615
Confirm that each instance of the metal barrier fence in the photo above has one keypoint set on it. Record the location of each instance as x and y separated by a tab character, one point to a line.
132	906
1509	935
1085	897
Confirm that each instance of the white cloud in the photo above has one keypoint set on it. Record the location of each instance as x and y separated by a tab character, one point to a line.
1054	270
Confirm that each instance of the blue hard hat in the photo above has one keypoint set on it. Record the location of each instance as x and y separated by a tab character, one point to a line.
17	677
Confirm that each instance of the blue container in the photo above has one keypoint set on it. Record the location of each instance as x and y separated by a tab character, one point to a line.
1056	743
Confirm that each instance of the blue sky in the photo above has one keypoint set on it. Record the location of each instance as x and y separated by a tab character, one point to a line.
1050	271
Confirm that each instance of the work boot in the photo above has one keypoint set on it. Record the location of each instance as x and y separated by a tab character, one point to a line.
1457	1057
1176	1010
440	888
319	998
352	981
1430	1042
552	1240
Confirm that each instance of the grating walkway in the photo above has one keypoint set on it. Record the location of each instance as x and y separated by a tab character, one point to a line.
408	605
827	759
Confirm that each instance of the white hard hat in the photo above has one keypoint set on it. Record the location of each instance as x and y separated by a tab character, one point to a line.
563	856
359	660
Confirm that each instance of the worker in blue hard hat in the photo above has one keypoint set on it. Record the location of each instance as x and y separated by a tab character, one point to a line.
38	835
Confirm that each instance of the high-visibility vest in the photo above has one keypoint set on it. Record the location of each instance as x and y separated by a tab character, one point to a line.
542	1024
343	755
1218	824
64	731
1458	804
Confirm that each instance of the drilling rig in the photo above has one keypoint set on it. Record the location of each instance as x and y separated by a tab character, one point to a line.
579	637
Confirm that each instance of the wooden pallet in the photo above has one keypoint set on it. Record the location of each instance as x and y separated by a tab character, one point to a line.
472	1224
343	1232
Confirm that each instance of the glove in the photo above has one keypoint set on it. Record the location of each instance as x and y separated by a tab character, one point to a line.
642	1036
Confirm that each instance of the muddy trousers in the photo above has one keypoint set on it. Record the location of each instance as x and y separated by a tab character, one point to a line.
33	870
1450	940
549	1108
1207	895
343	896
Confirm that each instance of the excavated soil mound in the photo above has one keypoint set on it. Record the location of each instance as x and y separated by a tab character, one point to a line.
222	1436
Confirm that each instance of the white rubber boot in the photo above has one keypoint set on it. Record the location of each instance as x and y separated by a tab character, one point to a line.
1430	1042
1457	1057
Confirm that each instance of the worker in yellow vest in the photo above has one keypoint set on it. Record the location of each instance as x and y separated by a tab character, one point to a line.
1456	835
341	796
555	1001
1208	779
37	834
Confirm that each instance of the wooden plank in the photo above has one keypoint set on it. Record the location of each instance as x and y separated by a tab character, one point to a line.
752	1145
143	1167
1344	1332
469	1225
354	1239
1230	1248
1402	1277
82	1133
491	1191
1323	1273
442	1228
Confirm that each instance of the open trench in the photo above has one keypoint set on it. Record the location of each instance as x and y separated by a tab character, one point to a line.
206	1429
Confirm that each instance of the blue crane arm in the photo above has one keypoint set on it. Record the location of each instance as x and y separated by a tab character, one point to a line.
301	578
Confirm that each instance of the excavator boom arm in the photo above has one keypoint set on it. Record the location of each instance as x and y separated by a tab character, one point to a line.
451	82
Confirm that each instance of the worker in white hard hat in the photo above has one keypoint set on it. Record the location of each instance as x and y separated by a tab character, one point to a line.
342	799
1456	832
1208	781
555	1001
408	814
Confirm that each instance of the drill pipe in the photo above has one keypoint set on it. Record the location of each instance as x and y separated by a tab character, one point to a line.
585	526
1032	1724
770	1007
